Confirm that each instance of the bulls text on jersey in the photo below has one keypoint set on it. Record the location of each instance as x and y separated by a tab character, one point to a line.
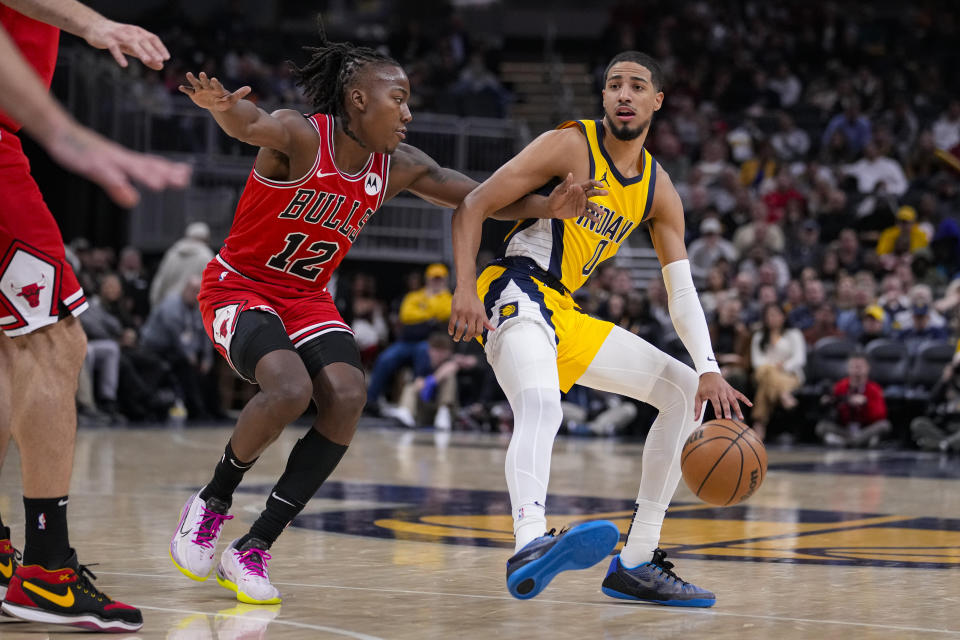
320	207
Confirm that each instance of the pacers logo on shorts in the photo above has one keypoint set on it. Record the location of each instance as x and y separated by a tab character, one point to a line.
508	310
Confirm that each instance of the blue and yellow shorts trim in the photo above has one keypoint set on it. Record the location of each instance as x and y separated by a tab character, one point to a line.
511	295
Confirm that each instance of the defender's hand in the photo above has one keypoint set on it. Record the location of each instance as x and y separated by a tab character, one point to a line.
721	395
210	94
127	39
468	318
571	200
113	167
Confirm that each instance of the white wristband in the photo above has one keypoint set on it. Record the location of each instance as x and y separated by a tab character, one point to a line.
687	316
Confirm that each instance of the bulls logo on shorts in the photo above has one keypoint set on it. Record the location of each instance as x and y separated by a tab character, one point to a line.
31	290
224	324
27	284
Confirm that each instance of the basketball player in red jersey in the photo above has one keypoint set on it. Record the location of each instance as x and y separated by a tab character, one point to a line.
316	182
43	349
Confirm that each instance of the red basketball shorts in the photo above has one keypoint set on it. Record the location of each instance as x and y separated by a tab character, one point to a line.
225	294
35	278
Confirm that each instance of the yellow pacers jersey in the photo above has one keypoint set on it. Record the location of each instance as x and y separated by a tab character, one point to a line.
572	249
514	290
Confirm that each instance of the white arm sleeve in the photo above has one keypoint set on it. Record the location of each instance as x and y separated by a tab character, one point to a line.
687	315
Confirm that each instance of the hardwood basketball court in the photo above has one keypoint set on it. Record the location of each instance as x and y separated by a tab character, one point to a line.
410	536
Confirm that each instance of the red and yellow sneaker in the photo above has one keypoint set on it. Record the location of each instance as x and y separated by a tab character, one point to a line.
67	596
9	558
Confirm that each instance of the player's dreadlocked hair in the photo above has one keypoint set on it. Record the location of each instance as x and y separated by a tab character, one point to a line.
331	67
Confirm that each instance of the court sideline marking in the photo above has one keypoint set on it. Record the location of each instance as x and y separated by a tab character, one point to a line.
180	439
565	602
289	623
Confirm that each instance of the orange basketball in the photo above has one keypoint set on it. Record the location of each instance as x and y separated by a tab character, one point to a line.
723	462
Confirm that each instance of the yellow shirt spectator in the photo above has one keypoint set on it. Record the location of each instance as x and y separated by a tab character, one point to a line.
422	306
906	217
422	312
754	171
425	309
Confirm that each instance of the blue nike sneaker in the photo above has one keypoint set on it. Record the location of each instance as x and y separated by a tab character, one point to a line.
532	568
656	582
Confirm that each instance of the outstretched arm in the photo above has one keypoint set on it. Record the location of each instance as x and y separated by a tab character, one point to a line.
666	231
98	31
77	148
413	170
243	120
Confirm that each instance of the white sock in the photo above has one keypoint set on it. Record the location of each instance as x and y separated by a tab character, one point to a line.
529	523
644	534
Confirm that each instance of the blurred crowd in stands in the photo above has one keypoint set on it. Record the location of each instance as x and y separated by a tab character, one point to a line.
820	184
148	358
452	71
816	152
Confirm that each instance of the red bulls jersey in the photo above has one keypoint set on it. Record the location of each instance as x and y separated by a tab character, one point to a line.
37	41
294	234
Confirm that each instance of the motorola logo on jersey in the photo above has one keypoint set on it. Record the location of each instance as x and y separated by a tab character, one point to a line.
373	184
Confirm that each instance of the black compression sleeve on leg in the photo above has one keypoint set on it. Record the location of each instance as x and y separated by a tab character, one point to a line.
311	462
226	476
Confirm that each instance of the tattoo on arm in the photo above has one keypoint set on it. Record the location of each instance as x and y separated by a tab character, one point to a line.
438	174
442	175
444	187
417	172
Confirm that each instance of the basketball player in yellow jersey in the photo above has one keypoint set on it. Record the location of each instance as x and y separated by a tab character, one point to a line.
539	343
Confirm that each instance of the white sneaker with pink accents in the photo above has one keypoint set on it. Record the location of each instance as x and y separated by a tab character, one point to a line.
195	541
244	571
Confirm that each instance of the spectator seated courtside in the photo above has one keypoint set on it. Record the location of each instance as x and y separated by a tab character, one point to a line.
858	408
431	397
421	312
939	428
174	332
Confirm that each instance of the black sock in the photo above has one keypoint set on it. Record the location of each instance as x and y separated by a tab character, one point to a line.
312	460
226	476
46	542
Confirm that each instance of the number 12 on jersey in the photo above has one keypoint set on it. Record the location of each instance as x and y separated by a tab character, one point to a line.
307	267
